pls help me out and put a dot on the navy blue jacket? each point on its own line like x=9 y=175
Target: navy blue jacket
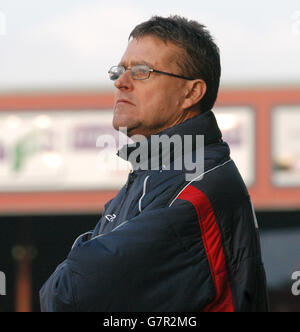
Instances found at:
x=165 y=243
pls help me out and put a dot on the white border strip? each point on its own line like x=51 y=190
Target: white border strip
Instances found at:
x=254 y=215
x=77 y=239
x=144 y=193
x=124 y=222
x=212 y=169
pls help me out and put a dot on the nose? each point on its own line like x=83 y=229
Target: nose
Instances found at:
x=124 y=81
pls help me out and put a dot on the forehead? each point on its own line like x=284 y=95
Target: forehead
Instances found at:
x=151 y=51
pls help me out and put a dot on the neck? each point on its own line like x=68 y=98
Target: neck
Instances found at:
x=184 y=115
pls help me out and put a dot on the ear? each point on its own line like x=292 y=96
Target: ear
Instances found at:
x=195 y=91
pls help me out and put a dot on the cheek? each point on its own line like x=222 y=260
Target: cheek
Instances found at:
x=152 y=110
x=154 y=101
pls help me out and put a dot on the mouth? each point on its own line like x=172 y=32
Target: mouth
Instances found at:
x=125 y=101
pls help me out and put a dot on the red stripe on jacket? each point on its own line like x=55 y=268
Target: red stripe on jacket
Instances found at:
x=212 y=240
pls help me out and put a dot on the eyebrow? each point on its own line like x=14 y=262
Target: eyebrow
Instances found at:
x=134 y=63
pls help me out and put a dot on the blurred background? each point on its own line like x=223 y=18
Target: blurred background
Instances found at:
x=56 y=99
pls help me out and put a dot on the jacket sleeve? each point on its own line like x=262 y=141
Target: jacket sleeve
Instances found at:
x=57 y=292
x=153 y=262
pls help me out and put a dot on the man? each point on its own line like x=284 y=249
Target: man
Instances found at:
x=167 y=242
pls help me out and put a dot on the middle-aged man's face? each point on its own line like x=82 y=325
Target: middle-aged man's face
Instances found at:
x=146 y=107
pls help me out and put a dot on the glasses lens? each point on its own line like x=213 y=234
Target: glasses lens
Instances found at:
x=140 y=72
x=115 y=72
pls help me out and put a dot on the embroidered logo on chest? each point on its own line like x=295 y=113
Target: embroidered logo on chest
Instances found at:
x=110 y=217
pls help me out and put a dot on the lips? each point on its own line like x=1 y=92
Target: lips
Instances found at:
x=123 y=100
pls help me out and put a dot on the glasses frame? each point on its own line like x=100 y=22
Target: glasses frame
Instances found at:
x=150 y=70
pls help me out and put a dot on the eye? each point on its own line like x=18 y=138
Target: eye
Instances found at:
x=143 y=68
x=113 y=75
x=115 y=72
x=140 y=71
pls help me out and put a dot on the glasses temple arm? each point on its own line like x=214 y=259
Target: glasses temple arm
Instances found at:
x=174 y=75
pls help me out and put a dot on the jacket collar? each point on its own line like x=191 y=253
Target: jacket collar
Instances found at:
x=203 y=124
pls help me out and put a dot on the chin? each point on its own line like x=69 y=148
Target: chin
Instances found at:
x=121 y=125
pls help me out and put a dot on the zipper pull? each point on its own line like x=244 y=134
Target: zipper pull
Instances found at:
x=129 y=179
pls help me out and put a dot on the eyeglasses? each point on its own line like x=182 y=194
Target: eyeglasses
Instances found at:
x=139 y=72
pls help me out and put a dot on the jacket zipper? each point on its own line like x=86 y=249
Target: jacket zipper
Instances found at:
x=130 y=179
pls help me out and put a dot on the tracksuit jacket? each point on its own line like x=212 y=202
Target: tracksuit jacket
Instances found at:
x=167 y=243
